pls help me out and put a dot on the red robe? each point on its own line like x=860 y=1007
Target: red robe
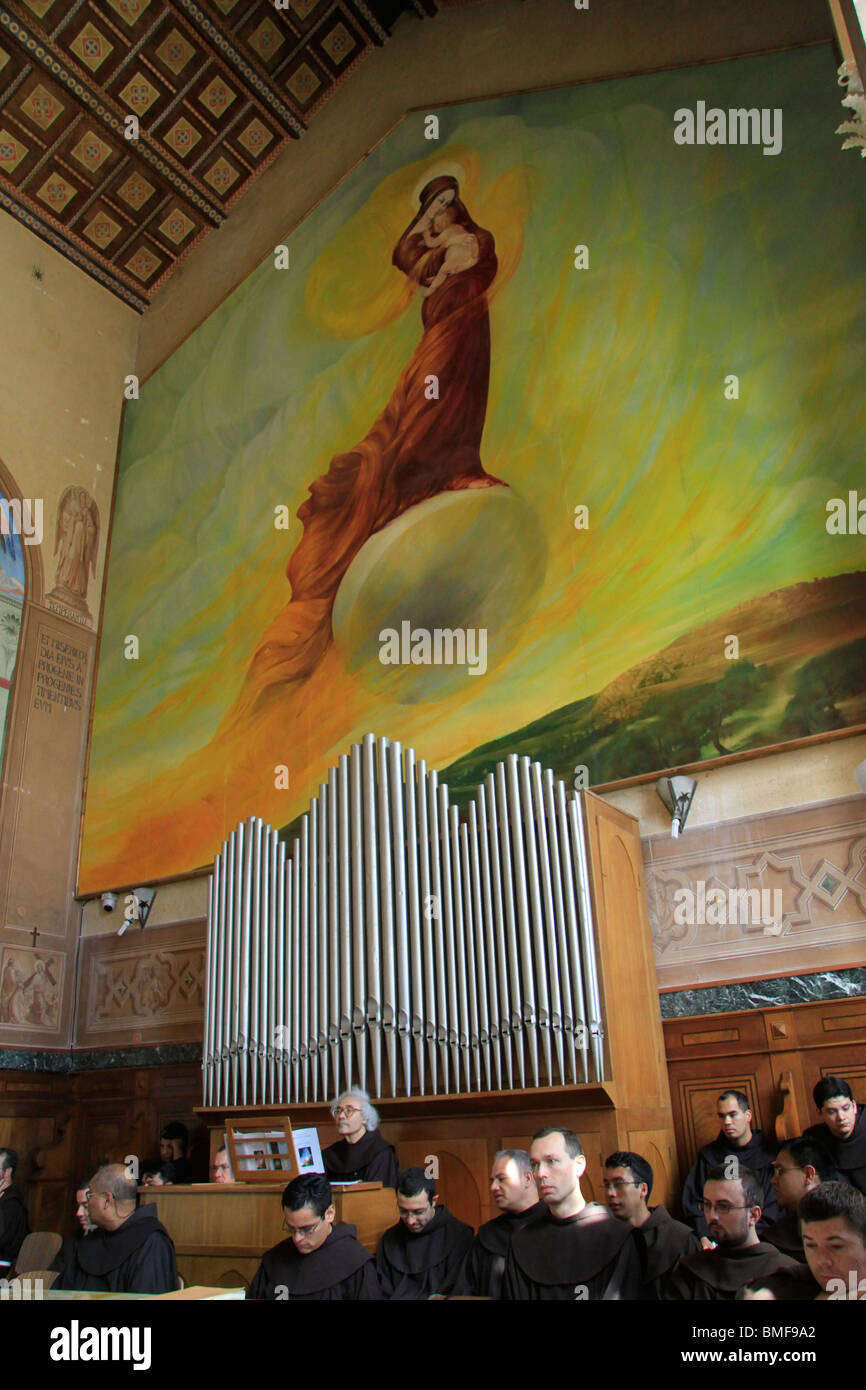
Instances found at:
x=416 y=449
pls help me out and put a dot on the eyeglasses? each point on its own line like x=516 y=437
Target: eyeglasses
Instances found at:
x=777 y=1170
x=302 y=1230
x=721 y=1207
x=346 y=1111
x=617 y=1184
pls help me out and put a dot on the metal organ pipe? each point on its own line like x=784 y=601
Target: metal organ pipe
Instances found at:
x=401 y=945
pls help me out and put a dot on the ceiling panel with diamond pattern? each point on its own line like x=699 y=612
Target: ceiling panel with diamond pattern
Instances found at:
x=218 y=89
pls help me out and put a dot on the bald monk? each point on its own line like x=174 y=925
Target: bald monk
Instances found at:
x=320 y=1260
x=576 y=1250
x=733 y=1210
x=129 y=1252
x=513 y=1189
x=421 y=1255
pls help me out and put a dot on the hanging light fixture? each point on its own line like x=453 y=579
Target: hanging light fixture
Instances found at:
x=677 y=793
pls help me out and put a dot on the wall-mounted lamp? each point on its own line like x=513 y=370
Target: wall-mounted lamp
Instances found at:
x=677 y=793
x=860 y=775
x=136 y=908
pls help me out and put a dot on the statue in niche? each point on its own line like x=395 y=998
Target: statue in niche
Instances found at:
x=422 y=444
x=76 y=544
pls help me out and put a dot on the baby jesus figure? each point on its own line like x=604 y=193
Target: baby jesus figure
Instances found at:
x=440 y=228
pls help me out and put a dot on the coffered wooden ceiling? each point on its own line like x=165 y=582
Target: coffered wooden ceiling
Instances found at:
x=218 y=88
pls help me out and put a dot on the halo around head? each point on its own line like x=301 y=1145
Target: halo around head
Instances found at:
x=444 y=169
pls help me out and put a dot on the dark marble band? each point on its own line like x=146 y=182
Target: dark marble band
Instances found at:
x=97 y=1059
x=764 y=994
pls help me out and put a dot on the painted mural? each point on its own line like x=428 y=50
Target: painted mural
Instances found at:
x=530 y=439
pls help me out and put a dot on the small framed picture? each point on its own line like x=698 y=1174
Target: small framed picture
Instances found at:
x=262 y=1150
x=308 y=1151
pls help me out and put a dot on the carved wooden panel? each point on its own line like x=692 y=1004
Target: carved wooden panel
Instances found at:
x=813 y=859
x=687 y=1038
x=655 y=1146
x=25 y=1134
x=712 y=1035
x=780 y=1056
x=698 y=1100
x=146 y=987
x=37 y=1120
x=31 y=988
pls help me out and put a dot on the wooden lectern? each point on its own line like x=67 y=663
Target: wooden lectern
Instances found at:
x=221 y=1230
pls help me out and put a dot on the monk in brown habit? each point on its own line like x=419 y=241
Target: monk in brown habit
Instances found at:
x=736 y=1139
x=320 y=1260
x=800 y=1166
x=732 y=1207
x=832 y=1219
x=842 y=1130
x=513 y=1189
x=13 y=1211
x=659 y=1239
x=421 y=1255
x=360 y=1154
x=128 y=1252
x=576 y=1251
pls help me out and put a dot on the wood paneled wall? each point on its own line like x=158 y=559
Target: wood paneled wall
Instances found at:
x=64 y=1127
x=774 y=1055
x=461 y=1134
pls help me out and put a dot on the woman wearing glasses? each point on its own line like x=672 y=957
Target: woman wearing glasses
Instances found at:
x=360 y=1154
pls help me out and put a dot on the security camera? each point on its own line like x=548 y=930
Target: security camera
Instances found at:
x=109 y=902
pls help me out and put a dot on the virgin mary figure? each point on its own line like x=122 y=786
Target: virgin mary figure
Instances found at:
x=426 y=441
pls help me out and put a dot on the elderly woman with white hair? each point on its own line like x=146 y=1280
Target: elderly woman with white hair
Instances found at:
x=360 y=1154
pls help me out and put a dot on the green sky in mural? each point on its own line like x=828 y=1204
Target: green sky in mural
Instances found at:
x=607 y=390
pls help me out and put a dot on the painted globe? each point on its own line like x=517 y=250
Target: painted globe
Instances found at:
x=434 y=601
